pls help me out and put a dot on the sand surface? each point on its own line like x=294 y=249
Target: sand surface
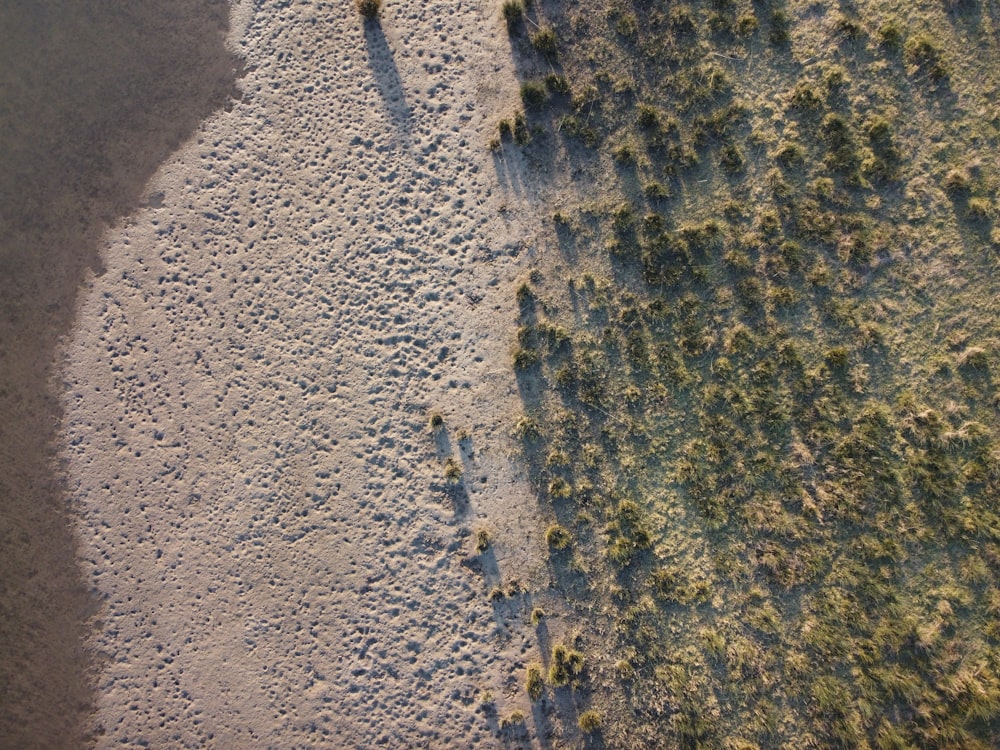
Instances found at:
x=274 y=554
x=94 y=95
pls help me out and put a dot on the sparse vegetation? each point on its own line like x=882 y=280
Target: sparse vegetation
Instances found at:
x=767 y=428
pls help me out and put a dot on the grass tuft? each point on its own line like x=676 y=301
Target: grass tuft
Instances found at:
x=368 y=9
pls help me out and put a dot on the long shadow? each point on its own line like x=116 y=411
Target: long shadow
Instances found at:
x=94 y=96
x=390 y=85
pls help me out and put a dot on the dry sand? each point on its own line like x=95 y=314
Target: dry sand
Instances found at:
x=261 y=506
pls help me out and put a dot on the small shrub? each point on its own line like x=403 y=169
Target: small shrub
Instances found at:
x=648 y=117
x=557 y=84
x=521 y=133
x=482 y=540
x=837 y=357
x=560 y=489
x=534 y=683
x=655 y=191
x=879 y=131
x=525 y=294
x=513 y=13
x=544 y=40
x=566 y=664
x=731 y=158
x=849 y=28
x=589 y=721
x=527 y=428
x=974 y=358
x=624 y=154
x=747 y=25
x=979 y=209
x=368 y=9
x=557 y=537
x=525 y=358
x=805 y=98
x=923 y=53
x=890 y=36
x=533 y=94
x=682 y=20
x=780 y=27
x=956 y=183
x=790 y=154
x=452 y=471
x=512 y=719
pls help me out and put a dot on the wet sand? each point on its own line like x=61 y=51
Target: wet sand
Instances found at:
x=93 y=97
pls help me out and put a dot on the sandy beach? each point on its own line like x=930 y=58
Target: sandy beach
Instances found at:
x=254 y=540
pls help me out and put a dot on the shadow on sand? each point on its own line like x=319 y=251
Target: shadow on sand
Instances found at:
x=390 y=85
x=94 y=95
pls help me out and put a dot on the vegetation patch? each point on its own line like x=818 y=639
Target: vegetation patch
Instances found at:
x=758 y=363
